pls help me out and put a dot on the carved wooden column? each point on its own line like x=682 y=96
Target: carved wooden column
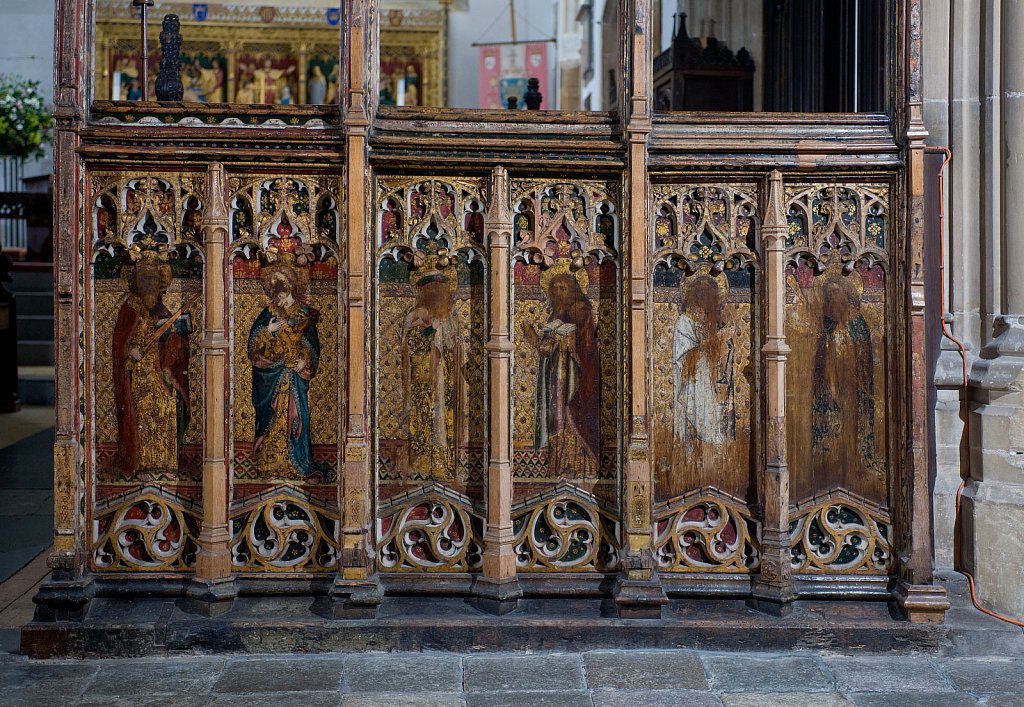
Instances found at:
x=232 y=81
x=357 y=592
x=773 y=592
x=916 y=596
x=66 y=593
x=497 y=590
x=638 y=594
x=213 y=583
x=303 y=76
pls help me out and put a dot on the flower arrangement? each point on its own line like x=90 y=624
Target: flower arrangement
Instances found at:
x=24 y=118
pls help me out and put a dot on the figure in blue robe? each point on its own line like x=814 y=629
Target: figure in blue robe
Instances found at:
x=284 y=349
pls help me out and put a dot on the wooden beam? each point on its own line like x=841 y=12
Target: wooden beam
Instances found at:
x=773 y=592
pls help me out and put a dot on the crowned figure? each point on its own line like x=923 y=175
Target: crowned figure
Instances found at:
x=150 y=355
x=284 y=349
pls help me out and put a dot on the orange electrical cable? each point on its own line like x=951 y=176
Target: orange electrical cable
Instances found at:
x=966 y=473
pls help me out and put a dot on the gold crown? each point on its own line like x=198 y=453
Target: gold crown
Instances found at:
x=149 y=250
x=438 y=265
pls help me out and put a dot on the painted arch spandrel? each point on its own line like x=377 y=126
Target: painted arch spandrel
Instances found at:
x=703 y=349
x=431 y=387
x=148 y=395
x=285 y=358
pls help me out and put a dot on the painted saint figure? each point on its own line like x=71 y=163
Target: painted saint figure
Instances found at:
x=268 y=82
x=703 y=410
x=568 y=417
x=843 y=403
x=432 y=381
x=317 y=87
x=150 y=353
x=284 y=348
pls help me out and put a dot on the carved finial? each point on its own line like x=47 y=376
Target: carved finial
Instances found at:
x=533 y=97
x=168 y=81
x=775 y=223
x=498 y=212
x=216 y=211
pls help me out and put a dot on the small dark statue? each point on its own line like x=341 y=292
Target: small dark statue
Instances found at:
x=533 y=97
x=168 y=81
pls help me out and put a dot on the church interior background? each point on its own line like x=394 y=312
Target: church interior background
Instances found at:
x=489 y=300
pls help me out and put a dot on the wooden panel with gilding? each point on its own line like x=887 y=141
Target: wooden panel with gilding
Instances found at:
x=285 y=326
x=704 y=329
x=147 y=397
x=431 y=384
x=567 y=330
x=837 y=328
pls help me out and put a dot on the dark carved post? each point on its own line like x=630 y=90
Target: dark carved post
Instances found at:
x=168 y=81
x=533 y=97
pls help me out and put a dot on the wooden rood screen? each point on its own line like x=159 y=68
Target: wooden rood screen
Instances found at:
x=491 y=353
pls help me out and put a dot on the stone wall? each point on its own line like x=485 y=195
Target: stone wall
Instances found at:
x=974 y=91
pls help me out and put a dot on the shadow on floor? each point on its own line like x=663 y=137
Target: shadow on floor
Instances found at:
x=26 y=515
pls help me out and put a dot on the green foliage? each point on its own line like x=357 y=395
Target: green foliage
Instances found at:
x=24 y=118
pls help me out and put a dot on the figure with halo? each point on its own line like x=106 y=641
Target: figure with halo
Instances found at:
x=284 y=349
x=568 y=413
x=433 y=355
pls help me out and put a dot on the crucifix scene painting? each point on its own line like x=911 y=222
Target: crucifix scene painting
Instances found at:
x=487 y=54
x=702 y=380
x=836 y=393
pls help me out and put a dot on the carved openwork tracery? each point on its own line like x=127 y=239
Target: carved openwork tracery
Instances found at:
x=147 y=530
x=284 y=530
x=706 y=531
x=838 y=224
x=433 y=529
x=565 y=529
x=712 y=224
x=842 y=534
x=157 y=210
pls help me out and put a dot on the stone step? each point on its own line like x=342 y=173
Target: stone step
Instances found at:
x=35 y=327
x=34 y=304
x=36 y=353
x=36 y=391
x=31 y=281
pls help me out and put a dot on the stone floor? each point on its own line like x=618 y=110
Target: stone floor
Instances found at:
x=595 y=678
x=26 y=485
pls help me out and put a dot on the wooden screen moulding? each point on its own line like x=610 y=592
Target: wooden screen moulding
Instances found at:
x=357 y=587
x=213 y=580
x=356 y=593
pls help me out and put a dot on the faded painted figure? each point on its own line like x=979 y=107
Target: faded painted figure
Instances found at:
x=284 y=348
x=150 y=357
x=568 y=418
x=704 y=412
x=432 y=380
x=843 y=403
